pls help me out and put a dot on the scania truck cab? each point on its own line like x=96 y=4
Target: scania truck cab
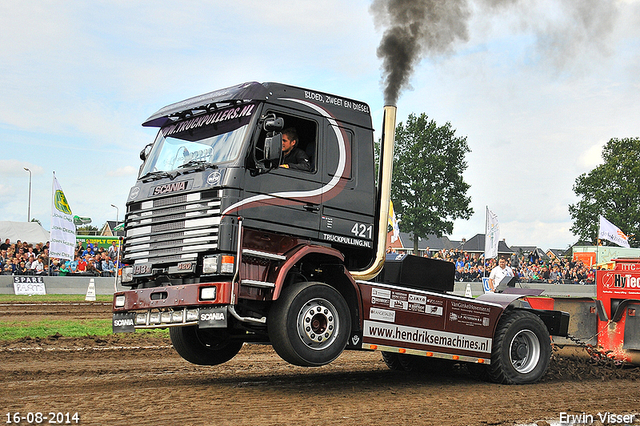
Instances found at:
x=211 y=179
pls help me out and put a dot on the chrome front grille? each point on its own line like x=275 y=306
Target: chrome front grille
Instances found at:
x=172 y=229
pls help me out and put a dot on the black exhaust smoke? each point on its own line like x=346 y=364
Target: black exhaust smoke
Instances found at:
x=415 y=29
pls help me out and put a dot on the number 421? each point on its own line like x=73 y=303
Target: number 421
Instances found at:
x=362 y=231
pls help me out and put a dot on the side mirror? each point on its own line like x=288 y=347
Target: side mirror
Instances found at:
x=145 y=152
x=273 y=124
x=273 y=147
x=266 y=155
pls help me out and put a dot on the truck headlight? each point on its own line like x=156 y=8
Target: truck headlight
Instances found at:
x=127 y=274
x=219 y=264
x=119 y=302
x=210 y=265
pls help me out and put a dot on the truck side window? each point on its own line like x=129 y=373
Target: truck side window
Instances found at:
x=350 y=147
x=307 y=133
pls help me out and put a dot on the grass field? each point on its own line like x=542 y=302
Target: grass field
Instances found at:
x=18 y=328
x=7 y=298
x=11 y=330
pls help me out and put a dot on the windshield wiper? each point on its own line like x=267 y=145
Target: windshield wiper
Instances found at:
x=158 y=175
x=198 y=165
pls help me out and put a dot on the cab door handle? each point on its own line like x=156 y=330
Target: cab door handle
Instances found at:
x=311 y=207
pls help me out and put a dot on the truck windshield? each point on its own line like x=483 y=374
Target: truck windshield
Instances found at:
x=210 y=139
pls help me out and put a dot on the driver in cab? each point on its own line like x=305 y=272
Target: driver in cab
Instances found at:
x=293 y=157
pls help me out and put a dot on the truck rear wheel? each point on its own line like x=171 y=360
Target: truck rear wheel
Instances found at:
x=309 y=325
x=521 y=349
x=204 y=346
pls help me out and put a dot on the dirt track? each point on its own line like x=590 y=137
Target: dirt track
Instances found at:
x=134 y=380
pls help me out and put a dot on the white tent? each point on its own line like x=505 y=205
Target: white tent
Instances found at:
x=30 y=232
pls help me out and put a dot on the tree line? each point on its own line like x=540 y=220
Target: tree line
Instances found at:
x=429 y=191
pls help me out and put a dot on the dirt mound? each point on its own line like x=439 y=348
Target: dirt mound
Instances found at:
x=583 y=368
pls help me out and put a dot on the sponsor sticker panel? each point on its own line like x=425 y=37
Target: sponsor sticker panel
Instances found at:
x=403 y=335
x=468 y=314
x=409 y=302
x=382 y=314
x=429 y=311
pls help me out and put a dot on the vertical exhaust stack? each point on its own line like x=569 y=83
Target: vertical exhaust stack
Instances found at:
x=384 y=193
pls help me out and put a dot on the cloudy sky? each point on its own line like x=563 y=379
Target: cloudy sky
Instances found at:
x=537 y=87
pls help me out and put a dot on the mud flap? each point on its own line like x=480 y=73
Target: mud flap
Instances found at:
x=123 y=322
x=214 y=317
x=557 y=322
x=355 y=341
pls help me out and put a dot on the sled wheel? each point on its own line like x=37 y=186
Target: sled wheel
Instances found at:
x=309 y=324
x=521 y=349
x=478 y=372
x=392 y=360
x=204 y=346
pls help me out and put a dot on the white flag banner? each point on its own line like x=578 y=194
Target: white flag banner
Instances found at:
x=608 y=231
x=63 y=230
x=393 y=222
x=492 y=236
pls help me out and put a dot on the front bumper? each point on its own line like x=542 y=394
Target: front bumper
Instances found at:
x=207 y=317
x=172 y=306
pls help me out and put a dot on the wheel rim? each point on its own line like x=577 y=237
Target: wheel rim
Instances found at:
x=524 y=351
x=318 y=324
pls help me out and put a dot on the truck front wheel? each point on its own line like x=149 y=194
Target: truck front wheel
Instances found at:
x=309 y=324
x=204 y=346
x=521 y=349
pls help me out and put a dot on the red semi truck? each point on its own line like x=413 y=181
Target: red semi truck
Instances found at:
x=225 y=247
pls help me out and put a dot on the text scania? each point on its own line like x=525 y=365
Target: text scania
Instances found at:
x=427 y=337
x=170 y=187
x=213 y=316
x=122 y=322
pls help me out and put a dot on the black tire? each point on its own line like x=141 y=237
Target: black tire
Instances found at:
x=521 y=349
x=204 y=346
x=309 y=324
x=478 y=371
x=392 y=360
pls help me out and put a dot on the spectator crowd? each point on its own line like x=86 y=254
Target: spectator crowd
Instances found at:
x=28 y=259
x=22 y=258
x=530 y=268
